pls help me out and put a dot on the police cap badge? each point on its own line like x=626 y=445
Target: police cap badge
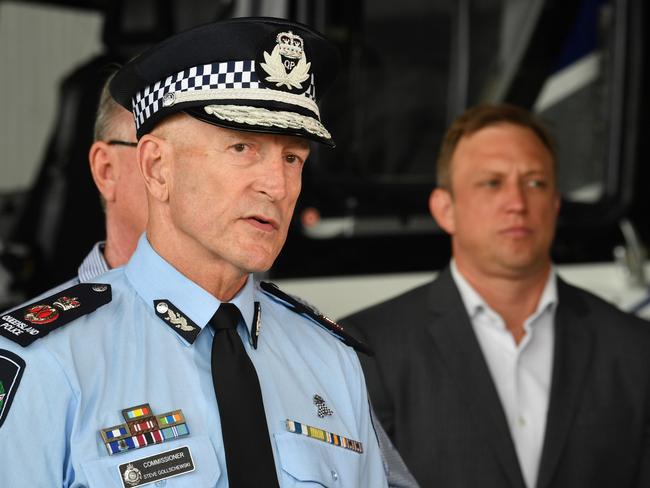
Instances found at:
x=252 y=74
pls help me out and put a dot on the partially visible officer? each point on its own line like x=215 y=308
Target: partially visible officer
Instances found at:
x=179 y=365
x=114 y=168
x=498 y=373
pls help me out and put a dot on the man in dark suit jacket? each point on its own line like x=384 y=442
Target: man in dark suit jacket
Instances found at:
x=498 y=373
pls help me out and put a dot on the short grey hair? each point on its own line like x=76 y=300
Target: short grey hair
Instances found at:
x=107 y=111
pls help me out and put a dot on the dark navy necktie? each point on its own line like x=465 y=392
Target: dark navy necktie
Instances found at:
x=249 y=456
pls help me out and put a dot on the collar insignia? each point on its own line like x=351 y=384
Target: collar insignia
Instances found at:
x=257 y=319
x=143 y=428
x=175 y=319
x=287 y=64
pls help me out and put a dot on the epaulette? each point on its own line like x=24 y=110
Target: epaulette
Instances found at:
x=30 y=322
x=302 y=309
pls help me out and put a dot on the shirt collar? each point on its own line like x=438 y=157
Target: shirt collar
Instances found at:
x=94 y=264
x=171 y=285
x=474 y=303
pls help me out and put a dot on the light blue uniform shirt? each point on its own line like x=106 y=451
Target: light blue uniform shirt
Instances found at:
x=80 y=377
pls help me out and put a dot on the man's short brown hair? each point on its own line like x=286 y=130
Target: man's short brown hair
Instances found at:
x=480 y=117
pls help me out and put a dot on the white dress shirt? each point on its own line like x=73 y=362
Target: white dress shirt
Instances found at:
x=521 y=372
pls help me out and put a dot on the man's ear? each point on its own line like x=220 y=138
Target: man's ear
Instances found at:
x=154 y=157
x=104 y=172
x=441 y=206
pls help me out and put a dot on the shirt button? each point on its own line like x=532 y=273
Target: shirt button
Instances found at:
x=521 y=421
x=335 y=475
x=161 y=483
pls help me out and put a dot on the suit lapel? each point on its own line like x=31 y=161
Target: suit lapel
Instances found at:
x=457 y=344
x=572 y=354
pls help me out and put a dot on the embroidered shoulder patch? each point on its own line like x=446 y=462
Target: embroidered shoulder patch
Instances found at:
x=303 y=309
x=36 y=320
x=11 y=371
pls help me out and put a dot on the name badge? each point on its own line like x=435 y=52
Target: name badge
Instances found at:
x=155 y=468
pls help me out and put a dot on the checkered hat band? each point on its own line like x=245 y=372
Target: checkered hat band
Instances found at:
x=235 y=77
x=256 y=116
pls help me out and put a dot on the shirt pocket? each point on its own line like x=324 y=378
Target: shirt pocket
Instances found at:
x=104 y=472
x=310 y=462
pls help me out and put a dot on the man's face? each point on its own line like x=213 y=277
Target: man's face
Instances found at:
x=502 y=210
x=130 y=205
x=233 y=193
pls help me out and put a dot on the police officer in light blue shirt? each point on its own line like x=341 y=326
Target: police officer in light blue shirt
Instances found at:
x=120 y=383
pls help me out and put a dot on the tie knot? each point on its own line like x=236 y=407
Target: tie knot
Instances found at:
x=227 y=316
